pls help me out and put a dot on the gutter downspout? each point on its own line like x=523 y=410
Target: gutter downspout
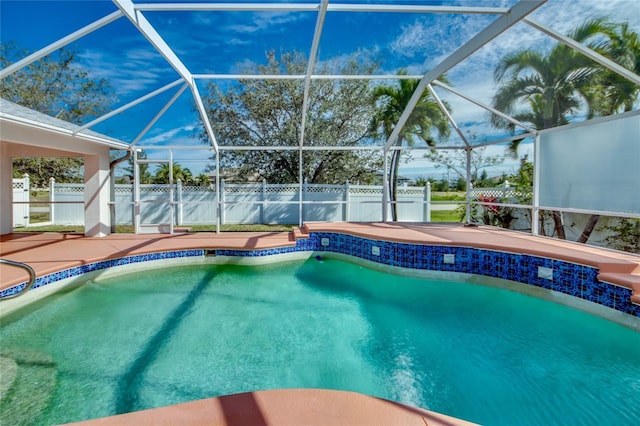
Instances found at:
x=112 y=190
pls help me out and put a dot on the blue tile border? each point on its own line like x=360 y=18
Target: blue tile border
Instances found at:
x=569 y=278
x=104 y=264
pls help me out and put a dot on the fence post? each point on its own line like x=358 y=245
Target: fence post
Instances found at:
x=505 y=190
x=52 y=207
x=427 y=202
x=262 y=201
x=179 y=196
x=222 y=198
x=347 y=201
x=27 y=210
x=304 y=198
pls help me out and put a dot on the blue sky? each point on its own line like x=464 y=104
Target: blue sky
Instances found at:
x=224 y=42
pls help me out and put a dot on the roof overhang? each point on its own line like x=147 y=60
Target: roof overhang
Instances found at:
x=28 y=127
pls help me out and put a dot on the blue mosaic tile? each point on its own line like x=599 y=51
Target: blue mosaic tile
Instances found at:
x=630 y=308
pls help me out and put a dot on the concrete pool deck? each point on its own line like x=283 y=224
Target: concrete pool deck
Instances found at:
x=52 y=252
x=309 y=407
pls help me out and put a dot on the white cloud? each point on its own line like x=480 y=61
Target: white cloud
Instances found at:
x=263 y=21
x=235 y=41
x=335 y=63
x=169 y=137
x=413 y=38
x=130 y=71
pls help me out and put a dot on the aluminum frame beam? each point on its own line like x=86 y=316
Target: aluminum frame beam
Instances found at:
x=484 y=106
x=317 y=33
x=387 y=8
x=129 y=105
x=159 y=114
x=322 y=13
x=507 y=139
x=205 y=118
x=149 y=32
x=303 y=76
x=305 y=7
x=227 y=7
x=491 y=31
x=448 y=114
x=60 y=43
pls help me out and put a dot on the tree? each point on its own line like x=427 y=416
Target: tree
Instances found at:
x=268 y=113
x=391 y=101
x=183 y=174
x=553 y=86
x=40 y=170
x=420 y=181
x=456 y=161
x=57 y=86
x=611 y=93
x=203 y=179
x=626 y=235
x=144 y=174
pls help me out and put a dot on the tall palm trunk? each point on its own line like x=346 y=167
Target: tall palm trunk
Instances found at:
x=559 y=226
x=588 y=228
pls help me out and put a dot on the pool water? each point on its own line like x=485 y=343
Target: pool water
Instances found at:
x=177 y=334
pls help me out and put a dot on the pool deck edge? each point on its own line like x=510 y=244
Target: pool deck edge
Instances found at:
x=309 y=407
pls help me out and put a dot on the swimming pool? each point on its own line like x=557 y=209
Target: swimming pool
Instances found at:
x=480 y=353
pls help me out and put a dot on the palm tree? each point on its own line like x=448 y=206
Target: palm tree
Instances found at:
x=557 y=84
x=391 y=101
x=203 y=179
x=184 y=174
x=613 y=93
x=143 y=169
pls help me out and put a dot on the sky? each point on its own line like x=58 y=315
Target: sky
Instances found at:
x=225 y=42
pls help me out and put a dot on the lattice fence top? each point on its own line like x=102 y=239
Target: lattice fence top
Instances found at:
x=242 y=189
x=326 y=189
x=365 y=189
x=271 y=189
x=198 y=189
x=69 y=187
x=286 y=188
x=156 y=188
x=499 y=193
x=410 y=190
x=128 y=189
x=18 y=184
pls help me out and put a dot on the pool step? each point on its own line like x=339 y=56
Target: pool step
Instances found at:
x=28 y=380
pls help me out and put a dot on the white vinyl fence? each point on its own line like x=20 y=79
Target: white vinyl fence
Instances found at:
x=20 y=196
x=239 y=204
x=268 y=204
x=254 y=203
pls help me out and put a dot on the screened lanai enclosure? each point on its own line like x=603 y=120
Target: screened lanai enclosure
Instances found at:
x=189 y=114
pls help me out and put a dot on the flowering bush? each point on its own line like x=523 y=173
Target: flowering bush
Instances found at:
x=495 y=215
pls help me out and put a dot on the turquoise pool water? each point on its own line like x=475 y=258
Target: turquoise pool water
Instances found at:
x=171 y=335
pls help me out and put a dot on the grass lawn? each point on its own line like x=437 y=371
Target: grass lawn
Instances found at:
x=448 y=196
x=445 y=216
